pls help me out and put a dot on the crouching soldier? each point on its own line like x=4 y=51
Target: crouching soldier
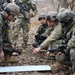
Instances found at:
x=5 y=45
x=67 y=19
x=52 y=37
x=41 y=29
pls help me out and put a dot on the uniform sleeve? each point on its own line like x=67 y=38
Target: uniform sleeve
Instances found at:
x=48 y=31
x=38 y=30
x=34 y=9
x=71 y=42
x=1 y=38
x=56 y=34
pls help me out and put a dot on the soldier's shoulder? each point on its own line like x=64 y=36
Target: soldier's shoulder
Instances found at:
x=58 y=26
x=40 y=26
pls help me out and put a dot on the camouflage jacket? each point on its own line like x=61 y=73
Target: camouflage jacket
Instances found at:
x=69 y=38
x=39 y=36
x=4 y=31
x=25 y=9
x=55 y=35
x=42 y=29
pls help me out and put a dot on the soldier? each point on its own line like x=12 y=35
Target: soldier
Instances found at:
x=39 y=38
x=67 y=19
x=51 y=21
x=5 y=45
x=55 y=35
x=23 y=20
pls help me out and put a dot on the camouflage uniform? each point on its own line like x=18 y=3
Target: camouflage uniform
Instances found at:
x=40 y=33
x=68 y=18
x=51 y=21
x=5 y=44
x=41 y=29
x=3 y=23
x=55 y=35
x=52 y=32
x=20 y=22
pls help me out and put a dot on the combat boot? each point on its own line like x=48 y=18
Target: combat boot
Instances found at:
x=8 y=59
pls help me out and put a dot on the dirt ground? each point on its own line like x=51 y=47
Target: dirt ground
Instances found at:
x=27 y=58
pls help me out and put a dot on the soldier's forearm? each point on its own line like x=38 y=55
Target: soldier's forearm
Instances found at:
x=47 y=42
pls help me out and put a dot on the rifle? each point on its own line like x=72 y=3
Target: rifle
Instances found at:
x=40 y=38
x=43 y=36
x=60 y=48
x=23 y=7
x=63 y=45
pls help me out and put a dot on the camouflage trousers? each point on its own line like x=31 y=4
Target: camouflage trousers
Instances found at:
x=18 y=24
x=64 y=59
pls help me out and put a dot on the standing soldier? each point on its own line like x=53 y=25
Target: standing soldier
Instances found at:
x=7 y=15
x=23 y=19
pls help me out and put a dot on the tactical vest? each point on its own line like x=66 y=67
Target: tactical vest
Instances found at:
x=67 y=34
x=24 y=5
x=5 y=30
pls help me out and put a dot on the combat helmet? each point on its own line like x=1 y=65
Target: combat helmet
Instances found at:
x=65 y=15
x=12 y=8
x=42 y=16
x=51 y=16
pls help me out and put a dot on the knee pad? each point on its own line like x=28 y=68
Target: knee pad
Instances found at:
x=62 y=58
x=72 y=56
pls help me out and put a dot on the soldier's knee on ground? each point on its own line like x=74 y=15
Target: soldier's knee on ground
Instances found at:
x=72 y=56
x=62 y=58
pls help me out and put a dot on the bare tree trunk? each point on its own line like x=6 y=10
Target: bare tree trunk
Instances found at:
x=64 y=4
x=72 y=5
